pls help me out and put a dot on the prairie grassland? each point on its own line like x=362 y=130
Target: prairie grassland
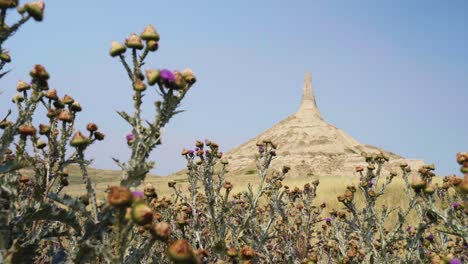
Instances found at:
x=328 y=189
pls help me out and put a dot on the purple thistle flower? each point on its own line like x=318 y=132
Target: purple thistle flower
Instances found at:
x=456 y=261
x=190 y=152
x=138 y=194
x=455 y=205
x=430 y=237
x=408 y=229
x=371 y=183
x=167 y=75
x=287 y=238
x=328 y=220
x=197 y=149
x=130 y=137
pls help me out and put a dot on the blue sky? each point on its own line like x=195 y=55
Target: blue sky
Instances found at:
x=392 y=74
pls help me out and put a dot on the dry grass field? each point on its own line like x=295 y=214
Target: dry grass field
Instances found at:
x=328 y=190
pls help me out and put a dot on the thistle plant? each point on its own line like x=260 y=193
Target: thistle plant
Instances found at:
x=33 y=10
x=31 y=181
x=171 y=86
x=363 y=235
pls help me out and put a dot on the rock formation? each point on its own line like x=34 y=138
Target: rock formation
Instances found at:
x=311 y=146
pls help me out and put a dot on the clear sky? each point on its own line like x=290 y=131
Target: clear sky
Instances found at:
x=392 y=74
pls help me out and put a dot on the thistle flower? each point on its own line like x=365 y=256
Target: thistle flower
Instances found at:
x=455 y=205
x=430 y=237
x=68 y=99
x=91 y=127
x=167 y=76
x=455 y=261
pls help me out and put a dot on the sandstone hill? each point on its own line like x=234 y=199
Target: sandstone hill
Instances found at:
x=310 y=145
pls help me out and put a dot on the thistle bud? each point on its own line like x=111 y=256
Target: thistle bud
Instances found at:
x=141 y=213
x=134 y=42
x=99 y=136
x=181 y=252
x=161 y=231
x=8 y=3
x=79 y=140
x=231 y=252
x=462 y=157
x=188 y=76
x=179 y=82
x=286 y=169
x=429 y=188
x=152 y=45
x=68 y=99
x=59 y=104
x=39 y=72
x=64 y=182
x=117 y=49
x=5 y=56
x=65 y=116
x=24 y=179
x=149 y=190
x=35 y=10
x=22 y=86
x=76 y=107
x=27 y=130
x=17 y=98
x=91 y=127
x=247 y=253
x=150 y=33
x=5 y=123
x=464 y=185
x=41 y=144
x=417 y=183
x=51 y=113
x=51 y=94
x=21 y=10
x=120 y=196
x=139 y=86
x=153 y=77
